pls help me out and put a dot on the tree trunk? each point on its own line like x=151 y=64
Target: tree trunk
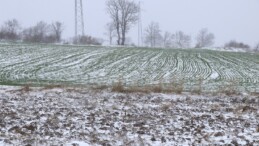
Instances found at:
x=118 y=33
x=123 y=35
x=110 y=39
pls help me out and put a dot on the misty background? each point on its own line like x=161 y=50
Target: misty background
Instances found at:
x=228 y=20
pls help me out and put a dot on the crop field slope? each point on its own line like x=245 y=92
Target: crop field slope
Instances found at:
x=86 y=65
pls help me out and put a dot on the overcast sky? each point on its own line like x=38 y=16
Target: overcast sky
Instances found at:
x=227 y=19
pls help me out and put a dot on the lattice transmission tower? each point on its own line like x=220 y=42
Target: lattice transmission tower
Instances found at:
x=79 y=19
x=140 y=37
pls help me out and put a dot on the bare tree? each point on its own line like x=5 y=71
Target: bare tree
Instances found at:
x=181 y=40
x=153 y=36
x=204 y=38
x=110 y=32
x=167 y=39
x=10 y=30
x=38 y=33
x=124 y=13
x=57 y=28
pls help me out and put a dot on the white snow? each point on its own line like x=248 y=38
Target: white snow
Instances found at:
x=87 y=117
x=226 y=49
x=214 y=75
x=79 y=143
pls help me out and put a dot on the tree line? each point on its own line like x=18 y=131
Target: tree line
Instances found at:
x=42 y=32
x=124 y=15
x=155 y=38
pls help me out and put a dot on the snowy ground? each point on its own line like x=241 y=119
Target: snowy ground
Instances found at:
x=85 y=117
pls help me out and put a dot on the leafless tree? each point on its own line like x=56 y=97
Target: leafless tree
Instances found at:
x=57 y=28
x=181 y=40
x=204 y=38
x=40 y=33
x=110 y=32
x=153 y=37
x=124 y=14
x=167 y=39
x=10 y=30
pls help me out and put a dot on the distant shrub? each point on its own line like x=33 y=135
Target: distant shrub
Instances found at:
x=256 y=48
x=157 y=88
x=177 y=86
x=230 y=88
x=234 y=44
x=198 y=88
x=26 y=88
x=118 y=87
x=10 y=30
x=87 y=40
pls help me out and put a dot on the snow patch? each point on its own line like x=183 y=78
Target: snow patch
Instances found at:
x=214 y=75
x=77 y=143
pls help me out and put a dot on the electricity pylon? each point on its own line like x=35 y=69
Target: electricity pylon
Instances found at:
x=79 y=19
x=140 y=38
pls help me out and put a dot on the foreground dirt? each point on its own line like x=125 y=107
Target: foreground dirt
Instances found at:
x=94 y=117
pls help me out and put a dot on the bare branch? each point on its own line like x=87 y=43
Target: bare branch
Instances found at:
x=153 y=36
x=181 y=40
x=124 y=13
x=204 y=38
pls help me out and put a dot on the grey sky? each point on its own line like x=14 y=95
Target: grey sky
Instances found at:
x=227 y=19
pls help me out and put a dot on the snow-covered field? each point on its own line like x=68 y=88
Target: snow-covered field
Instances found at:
x=57 y=64
x=79 y=115
x=70 y=116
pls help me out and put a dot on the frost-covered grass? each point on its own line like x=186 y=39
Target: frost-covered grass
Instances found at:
x=86 y=65
x=45 y=116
